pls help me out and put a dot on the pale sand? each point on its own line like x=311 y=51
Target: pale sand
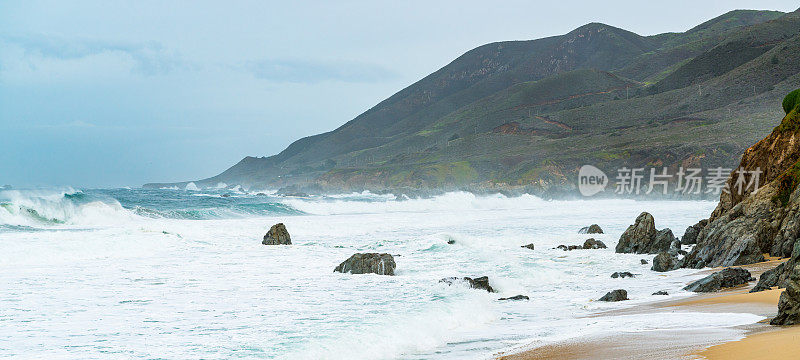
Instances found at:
x=763 y=341
x=783 y=343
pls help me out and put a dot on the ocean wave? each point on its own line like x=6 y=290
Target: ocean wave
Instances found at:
x=34 y=208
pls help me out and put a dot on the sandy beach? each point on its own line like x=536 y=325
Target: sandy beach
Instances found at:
x=758 y=341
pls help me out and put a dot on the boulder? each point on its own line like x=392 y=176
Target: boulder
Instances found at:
x=594 y=244
x=515 y=298
x=368 y=263
x=665 y=261
x=643 y=238
x=643 y=261
x=616 y=295
x=481 y=283
x=690 y=235
x=451 y=241
x=661 y=292
x=277 y=235
x=728 y=277
x=529 y=246
x=592 y=229
x=769 y=279
x=623 y=275
x=789 y=303
x=569 y=248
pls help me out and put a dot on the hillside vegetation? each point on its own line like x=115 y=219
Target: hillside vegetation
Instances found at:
x=530 y=113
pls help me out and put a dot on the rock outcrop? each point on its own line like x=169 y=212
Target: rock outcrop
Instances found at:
x=643 y=238
x=591 y=229
x=480 y=283
x=366 y=263
x=515 y=298
x=665 y=261
x=615 y=295
x=529 y=246
x=746 y=223
x=728 y=277
x=661 y=292
x=277 y=235
x=789 y=303
x=691 y=233
x=769 y=279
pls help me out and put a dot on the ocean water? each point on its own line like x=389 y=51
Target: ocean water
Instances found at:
x=182 y=274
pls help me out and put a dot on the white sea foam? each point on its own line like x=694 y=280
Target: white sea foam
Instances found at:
x=148 y=287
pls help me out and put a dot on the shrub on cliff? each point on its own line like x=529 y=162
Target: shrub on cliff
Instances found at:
x=791 y=101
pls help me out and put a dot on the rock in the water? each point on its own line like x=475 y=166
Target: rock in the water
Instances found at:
x=481 y=283
x=529 y=246
x=661 y=292
x=643 y=238
x=592 y=229
x=726 y=278
x=643 y=261
x=451 y=241
x=368 y=263
x=588 y=244
x=623 y=275
x=665 y=261
x=789 y=303
x=616 y=295
x=691 y=233
x=594 y=244
x=517 y=297
x=769 y=279
x=277 y=235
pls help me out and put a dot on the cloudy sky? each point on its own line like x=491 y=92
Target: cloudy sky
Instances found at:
x=112 y=93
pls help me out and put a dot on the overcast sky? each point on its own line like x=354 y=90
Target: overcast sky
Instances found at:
x=110 y=93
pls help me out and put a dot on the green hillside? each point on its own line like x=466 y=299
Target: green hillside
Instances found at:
x=530 y=113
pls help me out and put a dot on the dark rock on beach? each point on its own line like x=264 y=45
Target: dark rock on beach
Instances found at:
x=789 y=303
x=661 y=292
x=481 y=283
x=569 y=248
x=592 y=229
x=529 y=246
x=277 y=235
x=643 y=238
x=643 y=261
x=665 y=261
x=623 y=275
x=515 y=298
x=616 y=295
x=726 y=278
x=366 y=263
x=769 y=279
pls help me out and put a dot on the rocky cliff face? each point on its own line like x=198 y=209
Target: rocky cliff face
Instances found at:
x=747 y=224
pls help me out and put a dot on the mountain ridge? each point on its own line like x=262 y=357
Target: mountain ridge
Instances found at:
x=562 y=94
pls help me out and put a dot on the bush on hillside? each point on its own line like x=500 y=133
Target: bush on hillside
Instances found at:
x=791 y=101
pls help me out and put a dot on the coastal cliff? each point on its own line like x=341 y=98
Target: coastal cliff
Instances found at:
x=751 y=222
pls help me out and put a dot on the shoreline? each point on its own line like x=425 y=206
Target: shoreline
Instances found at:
x=753 y=341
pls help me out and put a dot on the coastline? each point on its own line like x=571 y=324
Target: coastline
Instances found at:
x=755 y=341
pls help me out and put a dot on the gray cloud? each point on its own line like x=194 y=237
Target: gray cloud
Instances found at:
x=150 y=57
x=308 y=71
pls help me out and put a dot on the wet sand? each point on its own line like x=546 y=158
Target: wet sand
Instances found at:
x=762 y=341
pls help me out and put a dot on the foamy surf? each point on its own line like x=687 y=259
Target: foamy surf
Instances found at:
x=165 y=273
